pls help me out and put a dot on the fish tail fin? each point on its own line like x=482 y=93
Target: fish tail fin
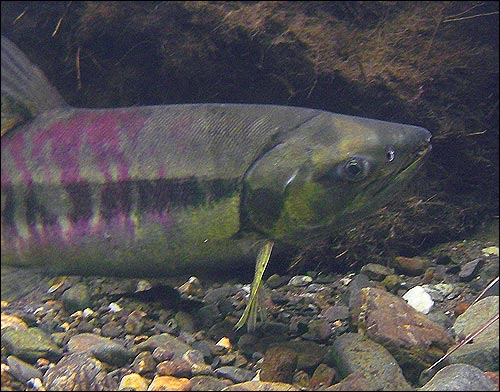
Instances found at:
x=26 y=92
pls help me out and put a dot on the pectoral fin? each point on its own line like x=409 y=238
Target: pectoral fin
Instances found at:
x=255 y=305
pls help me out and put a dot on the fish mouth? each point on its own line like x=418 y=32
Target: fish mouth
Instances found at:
x=415 y=163
x=404 y=174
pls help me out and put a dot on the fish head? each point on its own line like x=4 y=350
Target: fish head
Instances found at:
x=328 y=173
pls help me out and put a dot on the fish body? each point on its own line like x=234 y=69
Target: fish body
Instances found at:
x=160 y=190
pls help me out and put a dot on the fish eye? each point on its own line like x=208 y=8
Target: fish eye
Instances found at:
x=390 y=154
x=356 y=168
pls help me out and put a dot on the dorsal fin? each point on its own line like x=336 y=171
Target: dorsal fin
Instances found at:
x=26 y=92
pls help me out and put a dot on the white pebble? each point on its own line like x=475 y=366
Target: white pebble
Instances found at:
x=87 y=312
x=419 y=299
x=300 y=280
x=114 y=307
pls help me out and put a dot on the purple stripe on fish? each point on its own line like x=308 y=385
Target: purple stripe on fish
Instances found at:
x=17 y=148
x=98 y=133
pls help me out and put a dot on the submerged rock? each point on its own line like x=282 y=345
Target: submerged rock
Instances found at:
x=459 y=377
x=279 y=364
x=483 y=351
x=78 y=372
x=261 y=386
x=76 y=298
x=414 y=340
x=411 y=266
x=133 y=382
x=31 y=344
x=354 y=353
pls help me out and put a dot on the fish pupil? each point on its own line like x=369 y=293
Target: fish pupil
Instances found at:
x=354 y=169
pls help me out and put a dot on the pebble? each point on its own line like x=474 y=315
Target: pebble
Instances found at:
x=78 y=372
x=322 y=377
x=318 y=330
x=102 y=348
x=207 y=348
x=376 y=271
x=491 y=250
x=143 y=363
x=175 y=367
x=112 y=353
x=76 y=298
x=419 y=299
x=185 y=322
x=201 y=369
x=194 y=357
x=459 y=377
x=135 y=322
x=392 y=282
x=309 y=354
x=208 y=383
x=111 y=329
x=461 y=307
x=412 y=266
x=235 y=374
x=279 y=364
x=275 y=281
x=357 y=283
x=165 y=341
x=261 y=386
x=12 y=322
x=133 y=382
x=215 y=295
x=440 y=291
x=300 y=280
x=162 y=354
x=208 y=315
x=113 y=307
x=168 y=383
x=21 y=370
x=469 y=270
x=192 y=288
x=227 y=359
x=224 y=342
x=302 y=380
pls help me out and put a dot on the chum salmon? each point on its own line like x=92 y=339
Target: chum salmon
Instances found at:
x=191 y=188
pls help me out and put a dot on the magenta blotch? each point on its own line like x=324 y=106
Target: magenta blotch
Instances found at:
x=99 y=131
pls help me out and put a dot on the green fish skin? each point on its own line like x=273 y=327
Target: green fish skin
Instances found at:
x=197 y=188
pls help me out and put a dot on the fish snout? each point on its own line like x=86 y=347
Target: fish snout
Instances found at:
x=423 y=141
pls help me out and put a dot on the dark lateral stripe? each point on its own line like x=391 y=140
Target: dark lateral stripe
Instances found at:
x=166 y=194
x=80 y=196
x=34 y=208
x=9 y=208
x=117 y=198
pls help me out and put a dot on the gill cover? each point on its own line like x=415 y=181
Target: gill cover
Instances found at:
x=281 y=198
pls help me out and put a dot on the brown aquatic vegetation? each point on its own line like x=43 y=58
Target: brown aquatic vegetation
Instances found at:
x=430 y=63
